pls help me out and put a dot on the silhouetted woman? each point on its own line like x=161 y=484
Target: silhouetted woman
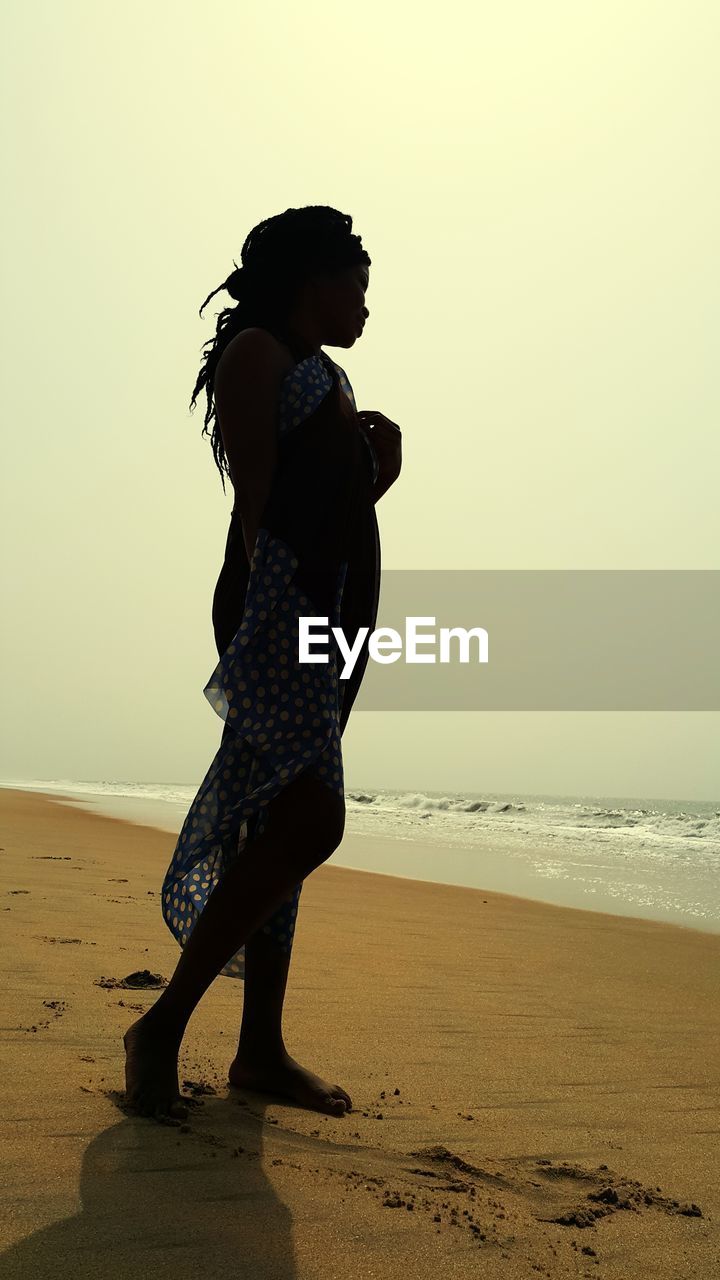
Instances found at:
x=307 y=469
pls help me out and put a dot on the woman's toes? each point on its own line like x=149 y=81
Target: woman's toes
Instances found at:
x=171 y=1112
x=166 y=1115
x=145 y=1105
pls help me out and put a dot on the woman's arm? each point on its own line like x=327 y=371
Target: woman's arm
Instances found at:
x=247 y=389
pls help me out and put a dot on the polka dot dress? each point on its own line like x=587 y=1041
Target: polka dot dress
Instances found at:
x=282 y=717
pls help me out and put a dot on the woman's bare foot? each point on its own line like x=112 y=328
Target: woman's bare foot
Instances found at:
x=151 y=1076
x=282 y=1074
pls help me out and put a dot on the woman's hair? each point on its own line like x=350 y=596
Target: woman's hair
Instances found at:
x=278 y=256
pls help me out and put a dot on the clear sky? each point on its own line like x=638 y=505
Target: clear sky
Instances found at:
x=537 y=186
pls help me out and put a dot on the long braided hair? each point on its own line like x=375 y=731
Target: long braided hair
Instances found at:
x=278 y=255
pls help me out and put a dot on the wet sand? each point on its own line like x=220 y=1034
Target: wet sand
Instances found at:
x=535 y=1088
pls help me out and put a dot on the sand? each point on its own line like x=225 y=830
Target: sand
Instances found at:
x=535 y=1088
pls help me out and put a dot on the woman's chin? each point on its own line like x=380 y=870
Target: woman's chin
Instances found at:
x=348 y=339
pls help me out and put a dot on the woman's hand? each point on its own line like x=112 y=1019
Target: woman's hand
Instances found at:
x=385 y=437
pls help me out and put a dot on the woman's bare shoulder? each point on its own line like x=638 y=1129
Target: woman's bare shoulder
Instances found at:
x=256 y=342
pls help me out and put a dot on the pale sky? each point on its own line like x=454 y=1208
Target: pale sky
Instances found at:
x=537 y=187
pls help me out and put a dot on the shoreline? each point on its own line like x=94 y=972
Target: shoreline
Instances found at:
x=379 y=849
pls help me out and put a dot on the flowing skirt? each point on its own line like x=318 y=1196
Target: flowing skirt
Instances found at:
x=317 y=554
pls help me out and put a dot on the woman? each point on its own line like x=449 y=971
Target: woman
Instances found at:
x=307 y=469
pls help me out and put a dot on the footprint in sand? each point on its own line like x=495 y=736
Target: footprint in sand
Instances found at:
x=58 y=1006
x=45 y=938
x=199 y=1087
x=608 y=1193
x=140 y=978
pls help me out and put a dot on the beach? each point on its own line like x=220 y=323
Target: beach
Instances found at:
x=536 y=1088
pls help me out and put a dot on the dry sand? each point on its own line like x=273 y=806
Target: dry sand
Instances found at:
x=535 y=1088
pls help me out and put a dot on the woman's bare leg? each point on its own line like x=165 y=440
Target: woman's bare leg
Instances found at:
x=304 y=825
x=264 y=986
x=262 y=1062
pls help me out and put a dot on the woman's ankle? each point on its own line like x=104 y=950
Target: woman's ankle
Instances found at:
x=165 y=1020
x=260 y=1044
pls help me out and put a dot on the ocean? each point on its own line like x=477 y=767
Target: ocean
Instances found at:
x=633 y=856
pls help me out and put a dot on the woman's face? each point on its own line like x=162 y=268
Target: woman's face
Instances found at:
x=341 y=309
